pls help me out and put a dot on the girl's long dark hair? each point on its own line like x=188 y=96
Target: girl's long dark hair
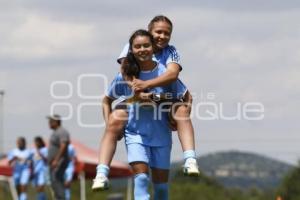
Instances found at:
x=130 y=66
x=39 y=142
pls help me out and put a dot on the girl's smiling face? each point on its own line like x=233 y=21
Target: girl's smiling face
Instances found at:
x=142 y=48
x=161 y=32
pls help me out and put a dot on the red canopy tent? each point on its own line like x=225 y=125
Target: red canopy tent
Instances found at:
x=5 y=169
x=88 y=160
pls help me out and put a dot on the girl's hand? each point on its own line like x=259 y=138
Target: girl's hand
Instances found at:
x=139 y=85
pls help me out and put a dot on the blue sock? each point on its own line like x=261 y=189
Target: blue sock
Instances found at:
x=189 y=154
x=102 y=169
x=161 y=191
x=41 y=196
x=67 y=193
x=23 y=196
x=141 y=182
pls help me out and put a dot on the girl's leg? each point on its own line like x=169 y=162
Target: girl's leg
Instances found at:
x=114 y=129
x=40 y=192
x=24 y=180
x=23 y=194
x=185 y=131
x=141 y=180
x=138 y=157
x=160 y=164
x=181 y=116
x=160 y=183
x=40 y=181
x=68 y=180
x=67 y=190
x=67 y=193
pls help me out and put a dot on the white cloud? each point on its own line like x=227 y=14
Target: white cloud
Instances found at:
x=40 y=37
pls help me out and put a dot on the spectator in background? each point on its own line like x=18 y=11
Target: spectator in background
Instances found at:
x=58 y=158
x=70 y=171
x=20 y=159
x=40 y=168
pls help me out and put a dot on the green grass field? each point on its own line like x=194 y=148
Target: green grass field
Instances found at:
x=75 y=188
x=181 y=188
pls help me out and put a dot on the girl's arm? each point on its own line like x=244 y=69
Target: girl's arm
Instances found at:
x=11 y=158
x=11 y=161
x=41 y=155
x=166 y=78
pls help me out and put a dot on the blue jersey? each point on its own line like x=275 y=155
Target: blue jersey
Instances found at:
x=24 y=158
x=167 y=55
x=71 y=156
x=147 y=125
x=71 y=165
x=39 y=162
x=71 y=152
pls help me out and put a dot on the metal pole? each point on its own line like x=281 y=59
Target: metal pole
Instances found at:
x=129 y=188
x=13 y=188
x=1 y=121
x=82 y=185
x=11 y=185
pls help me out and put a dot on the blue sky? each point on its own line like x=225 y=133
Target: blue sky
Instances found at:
x=240 y=51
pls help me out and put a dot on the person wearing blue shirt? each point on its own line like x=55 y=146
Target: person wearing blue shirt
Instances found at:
x=21 y=159
x=69 y=171
x=148 y=136
x=160 y=27
x=40 y=167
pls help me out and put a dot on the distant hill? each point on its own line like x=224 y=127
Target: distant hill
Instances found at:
x=242 y=170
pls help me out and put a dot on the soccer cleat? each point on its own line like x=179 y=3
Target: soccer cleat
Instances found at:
x=100 y=183
x=191 y=168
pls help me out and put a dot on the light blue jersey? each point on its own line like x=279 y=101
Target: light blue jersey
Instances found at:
x=146 y=124
x=71 y=151
x=71 y=165
x=40 y=167
x=167 y=55
x=24 y=157
x=21 y=169
x=39 y=162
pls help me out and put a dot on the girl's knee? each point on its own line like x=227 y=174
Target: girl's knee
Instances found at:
x=141 y=178
x=115 y=125
x=160 y=176
x=139 y=168
x=182 y=113
x=118 y=115
x=182 y=109
x=117 y=120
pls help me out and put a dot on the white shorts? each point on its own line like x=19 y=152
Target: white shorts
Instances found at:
x=39 y=178
x=22 y=177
